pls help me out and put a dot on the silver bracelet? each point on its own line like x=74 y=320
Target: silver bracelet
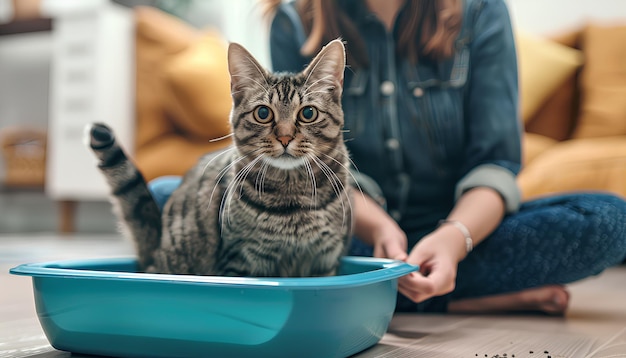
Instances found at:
x=469 y=244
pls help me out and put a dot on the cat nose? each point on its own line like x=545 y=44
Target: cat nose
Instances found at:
x=284 y=140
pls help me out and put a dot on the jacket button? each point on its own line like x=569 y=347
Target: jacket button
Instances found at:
x=418 y=92
x=393 y=143
x=387 y=88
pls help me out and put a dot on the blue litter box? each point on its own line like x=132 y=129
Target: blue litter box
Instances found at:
x=104 y=307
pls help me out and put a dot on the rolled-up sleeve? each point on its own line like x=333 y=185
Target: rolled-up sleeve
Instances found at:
x=493 y=155
x=496 y=177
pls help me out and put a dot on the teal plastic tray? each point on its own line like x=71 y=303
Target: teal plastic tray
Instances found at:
x=104 y=307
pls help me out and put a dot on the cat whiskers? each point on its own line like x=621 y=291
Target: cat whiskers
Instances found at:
x=259 y=182
x=238 y=180
x=221 y=138
x=356 y=182
x=352 y=164
x=311 y=175
x=336 y=184
x=243 y=174
x=206 y=166
x=221 y=175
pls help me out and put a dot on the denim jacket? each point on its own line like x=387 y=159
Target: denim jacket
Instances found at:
x=428 y=132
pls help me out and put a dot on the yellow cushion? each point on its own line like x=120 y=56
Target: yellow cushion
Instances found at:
x=199 y=88
x=162 y=43
x=157 y=37
x=535 y=144
x=544 y=65
x=556 y=118
x=603 y=83
x=575 y=165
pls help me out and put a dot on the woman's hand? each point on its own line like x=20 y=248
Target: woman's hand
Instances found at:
x=438 y=253
x=437 y=256
x=390 y=242
x=375 y=227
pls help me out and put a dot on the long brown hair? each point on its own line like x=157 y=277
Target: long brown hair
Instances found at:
x=426 y=28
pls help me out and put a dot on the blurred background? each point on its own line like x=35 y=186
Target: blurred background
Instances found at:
x=155 y=71
x=66 y=63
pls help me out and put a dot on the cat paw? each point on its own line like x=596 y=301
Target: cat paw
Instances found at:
x=98 y=135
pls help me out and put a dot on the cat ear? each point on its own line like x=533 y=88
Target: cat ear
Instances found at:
x=325 y=72
x=245 y=71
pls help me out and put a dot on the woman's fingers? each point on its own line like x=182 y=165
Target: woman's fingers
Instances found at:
x=391 y=249
x=418 y=287
x=396 y=252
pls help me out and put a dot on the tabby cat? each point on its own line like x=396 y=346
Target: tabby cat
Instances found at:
x=274 y=204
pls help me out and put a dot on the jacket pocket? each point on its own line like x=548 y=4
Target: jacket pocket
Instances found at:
x=434 y=94
x=449 y=74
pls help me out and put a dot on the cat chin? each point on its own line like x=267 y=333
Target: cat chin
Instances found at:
x=286 y=163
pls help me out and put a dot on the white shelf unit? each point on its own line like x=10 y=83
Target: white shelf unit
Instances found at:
x=92 y=80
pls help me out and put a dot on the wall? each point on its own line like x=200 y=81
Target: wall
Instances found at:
x=548 y=17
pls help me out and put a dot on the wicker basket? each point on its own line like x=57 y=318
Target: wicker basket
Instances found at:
x=24 y=153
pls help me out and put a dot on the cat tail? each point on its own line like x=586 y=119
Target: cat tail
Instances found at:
x=132 y=202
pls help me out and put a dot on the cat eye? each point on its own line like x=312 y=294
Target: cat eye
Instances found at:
x=307 y=114
x=263 y=114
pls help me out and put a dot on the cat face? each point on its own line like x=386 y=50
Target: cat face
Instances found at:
x=287 y=120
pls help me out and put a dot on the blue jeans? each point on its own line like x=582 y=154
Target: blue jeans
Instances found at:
x=161 y=188
x=554 y=240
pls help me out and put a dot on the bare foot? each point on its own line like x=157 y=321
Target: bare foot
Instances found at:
x=552 y=300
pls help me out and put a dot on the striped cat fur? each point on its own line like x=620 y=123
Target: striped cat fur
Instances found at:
x=277 y=203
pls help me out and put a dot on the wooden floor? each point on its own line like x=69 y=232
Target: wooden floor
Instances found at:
x=595 y=325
